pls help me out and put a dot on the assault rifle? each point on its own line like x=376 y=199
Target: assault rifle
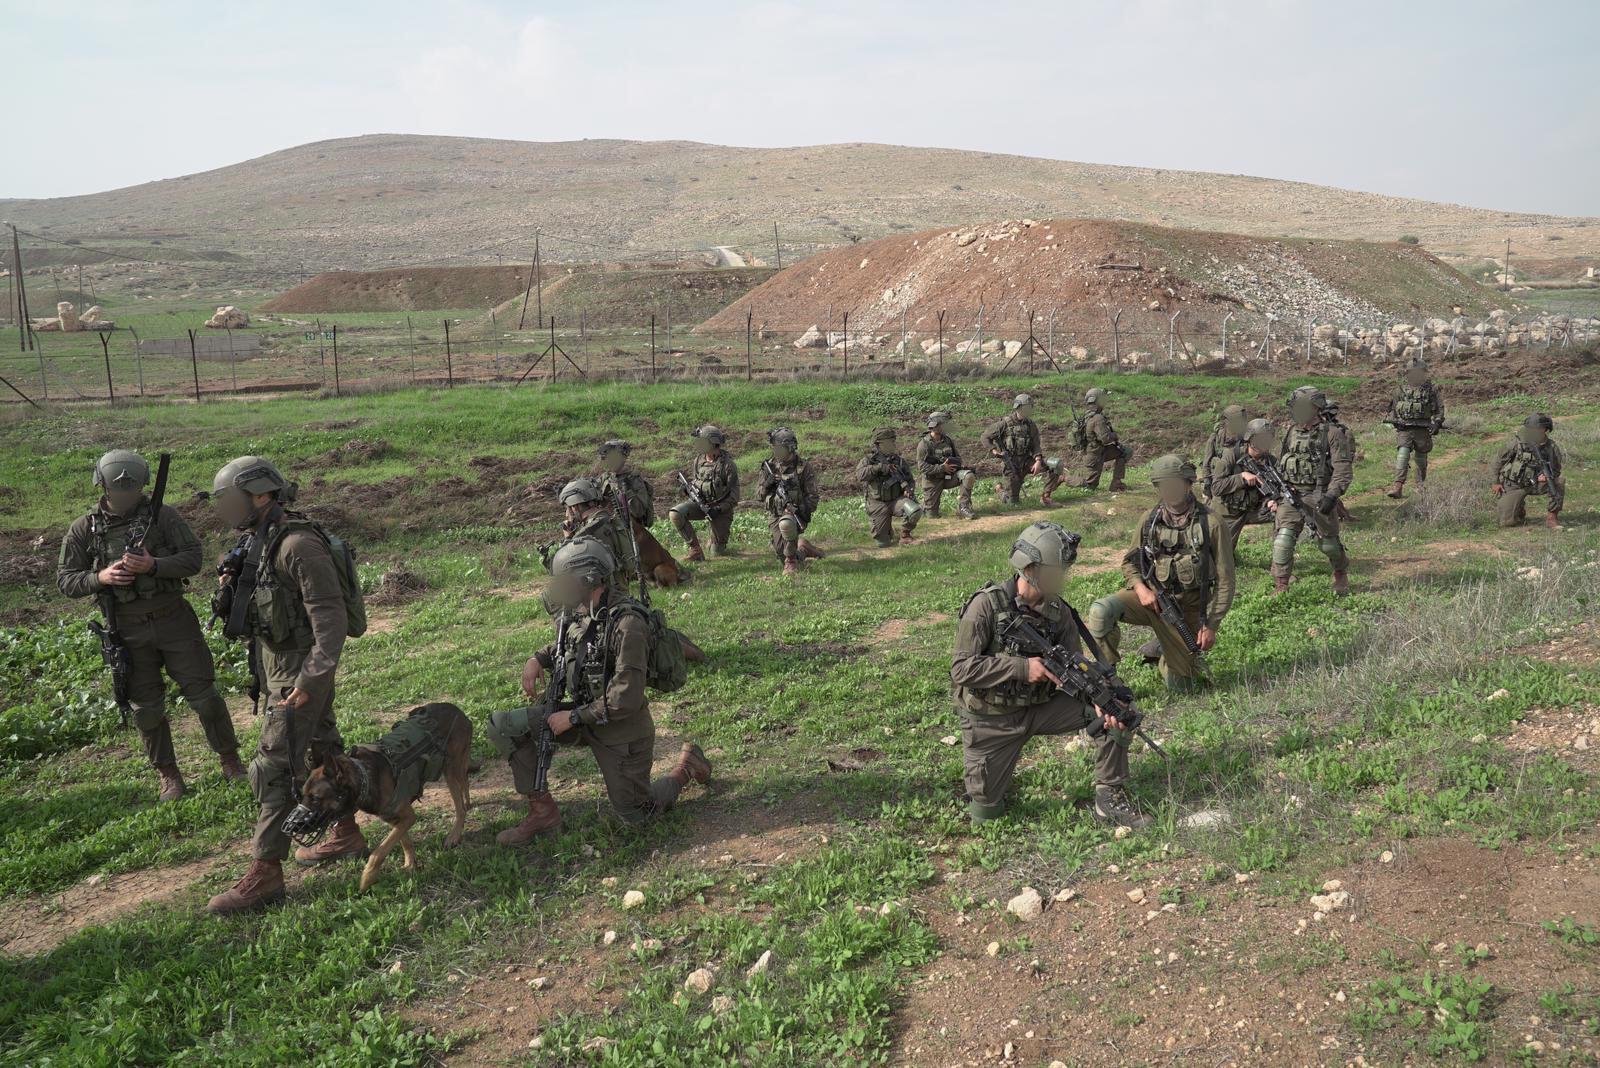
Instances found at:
x=1168 y=609
x=555 y=695
x=113 y=647
x=1091 y=681
x=1408 y=424
x=231 y=604
x=1275 y=487
x=694 y=495
x=633 y=539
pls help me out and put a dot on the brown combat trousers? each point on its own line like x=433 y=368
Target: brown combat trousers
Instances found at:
x=1512 y=506
x=1094 y=462
x=721 y=523
x=992 y=745
x=625 y=768
x=882 y=514
x=169 y=638
x=1179 y=667
x=1015 y=476
x=278 y=766
x=933 y=490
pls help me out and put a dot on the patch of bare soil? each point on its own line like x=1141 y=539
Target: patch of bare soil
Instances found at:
x=399 y=585
x=1251 y=978
x=33 y=925
x=27 y=557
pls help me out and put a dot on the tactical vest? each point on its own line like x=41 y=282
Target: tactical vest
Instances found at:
x=110 y=537
x=278 y=614
x=610 y=531
x=1525 y=465
x=1305 y=458
x=641 y=498
x=712 y=477
x=1018 y=437
x=1080 y=432
x=1182 y=554
x=1245 y=499
x=414 y=751
x=940 y=450
x=1097 y=440
x=888 y=487
x=1011 y=696
x=793 y=483
x=1414 y=404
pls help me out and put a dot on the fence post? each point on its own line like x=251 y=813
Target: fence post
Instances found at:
x=138 y=359
x=233 y=361
x=1225 y=319
x=335 y=359
x=555 y=364
x=1116 y=343
x=1031 y=342
x=194 y=365
x=749 y=369
x=322 y=351
x=449 y=362
x=846 y=349
x=105 y=350
x=411 y=343
x=652 y=348
x=1050 y=336
x=44 y=379
x=941 y=341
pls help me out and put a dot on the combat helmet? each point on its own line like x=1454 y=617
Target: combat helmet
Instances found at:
x=1171 y=466
x=122 y=468
x=251 y=474
x=1046 y=544
x=710 y=432
x=580 y=491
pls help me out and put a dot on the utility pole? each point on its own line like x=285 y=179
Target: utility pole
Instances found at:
x=777 y=249
x=24 y=328
x=533 y=276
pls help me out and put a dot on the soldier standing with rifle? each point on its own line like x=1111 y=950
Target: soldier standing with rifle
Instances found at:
x=889 y=490
x=1317 y=457
x=788 y=488
x=135 y=556
x=595 y=696
x=1245 y=482
x=939 y=464
x=292 y=599
x=1015 y=440
x=1417 y=414
x=1006 y=691
x=1180 y=579
x=711 y=492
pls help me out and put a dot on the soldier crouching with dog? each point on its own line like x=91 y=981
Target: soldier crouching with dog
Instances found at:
x=593 y=681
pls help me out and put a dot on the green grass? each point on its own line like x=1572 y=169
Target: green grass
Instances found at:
x=1332 y=724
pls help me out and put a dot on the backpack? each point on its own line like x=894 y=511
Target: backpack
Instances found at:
x=666 y=667
x=344 y=562
x=1080 y=433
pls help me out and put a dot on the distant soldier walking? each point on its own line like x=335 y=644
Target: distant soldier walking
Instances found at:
x=889 y=489
x=1417 y=414
x=939 y=465
x=1317 y=457
x=138 y=565
x=1016 y=441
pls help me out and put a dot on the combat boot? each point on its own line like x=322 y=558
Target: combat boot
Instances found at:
x=1341 y=584
x=344 y=840
x=1118 y=486
x=966 y=512
x=692 y=765
x=906 y=538
x=695 y=552
x=1397 y=491
x=810 y=551
x=172 y=786
x=261 y=886
x=1551 y=521
x=1046 y=500
x=232 y=769
x=1113 y=804
x=1280 y=584
x=544 y=816
x=1150 y=651
x=791 y=567
x=719 y=548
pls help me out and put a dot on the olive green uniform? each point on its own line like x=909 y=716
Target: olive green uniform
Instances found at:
x=717 y=480
x=1220 y=440
x=298 y=618
x=933 y=452
x=786 y=524
x=1419 y=411
x=1000 y=710
x=607 y=654
x=1235 y=502
x=641 y=495
x=889 y=494
x=1194 y=566
x=1020 y=446
x=604 y=526
x=1319 y=461
x=156 y=621
x=1100 y=446
x=1516 y=470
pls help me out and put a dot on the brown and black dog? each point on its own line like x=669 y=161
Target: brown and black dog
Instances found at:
x=435 y=738
x=654 y=560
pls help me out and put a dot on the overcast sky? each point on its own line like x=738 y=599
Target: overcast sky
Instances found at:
x=1493 y=104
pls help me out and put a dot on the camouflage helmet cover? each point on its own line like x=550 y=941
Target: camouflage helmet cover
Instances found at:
x=710 y=432
x=937 y=419
x=1315 y=395
x=1540 y=420
x=585 y=558
x=123 y=468
x=882 y=434
x=1021 y=400
x=1094 y=396
x=782 y=435
x=580 y=491
x=1256 y=427
x=614 y=443
x=1171 y=466
x=251 y=474
x=1044 y=543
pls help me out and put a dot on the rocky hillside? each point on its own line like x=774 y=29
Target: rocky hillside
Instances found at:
x=1086 y=270
x=388 y=200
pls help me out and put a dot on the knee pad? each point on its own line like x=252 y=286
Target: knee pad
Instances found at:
x=678 y=516
x=270 y=782
x=1283 y=547
x=1103 y=616
x=1402 y=455
x=149 y=717
x=1127 y=451
x=966 y=477
x=509 y=729
x=789 y=528
x=1332 y=548
x=1053 y=465
x=910 y=511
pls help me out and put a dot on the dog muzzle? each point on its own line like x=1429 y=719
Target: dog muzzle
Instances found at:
x=306 y=826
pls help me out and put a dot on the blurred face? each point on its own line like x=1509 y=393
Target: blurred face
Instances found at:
x=781 y=452
x=564 y=593
x=1173 y=492
x=1416 y=376
x=1304 y=410
x=234 y=507
x=889 y=447
x=1261 y=444
x=612 y=460
x=1533 y=435
x=944 y=428
x=1235 y=425
x=1024 y=411
x=123 y=497
x=1050 y=581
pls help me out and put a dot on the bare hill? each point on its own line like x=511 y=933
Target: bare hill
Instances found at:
x=387 y=200
x=402 y=289
x=1086 y=269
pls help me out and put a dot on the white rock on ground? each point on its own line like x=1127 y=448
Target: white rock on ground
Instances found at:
x=761 y=965
x=1027 y=905
x=699 y=981
x=632 y=899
